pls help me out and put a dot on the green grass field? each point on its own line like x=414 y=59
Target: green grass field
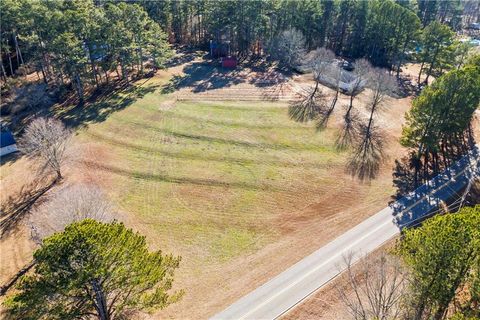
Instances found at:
x=211 y=180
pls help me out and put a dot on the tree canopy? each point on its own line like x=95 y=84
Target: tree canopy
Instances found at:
x=80 y=42
x=443 y=256
x=437 y=128
x=94 y=269
x=102 y=35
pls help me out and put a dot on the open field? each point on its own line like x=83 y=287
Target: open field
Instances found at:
x=237 y=189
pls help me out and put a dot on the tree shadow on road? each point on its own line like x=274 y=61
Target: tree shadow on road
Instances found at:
x=423 y=187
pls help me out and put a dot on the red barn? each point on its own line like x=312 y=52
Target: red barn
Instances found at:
x=229 y=62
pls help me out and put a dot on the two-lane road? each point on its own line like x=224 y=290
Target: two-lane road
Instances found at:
x=286 y=290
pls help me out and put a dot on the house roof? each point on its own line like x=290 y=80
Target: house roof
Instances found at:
x=6 y=139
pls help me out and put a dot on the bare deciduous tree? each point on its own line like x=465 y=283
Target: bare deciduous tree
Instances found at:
x=312 y=103
x=70 y=204
x=320 y=61
x=334 y=72
x=368 y=154
x=48 y=140
x=361 y=73
x=351 y=127
x=374 y=288
x=289 y=47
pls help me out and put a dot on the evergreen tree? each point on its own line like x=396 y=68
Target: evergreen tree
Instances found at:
x=439 y=121
x=443 y=255
x=94 y=269
x=436 y=41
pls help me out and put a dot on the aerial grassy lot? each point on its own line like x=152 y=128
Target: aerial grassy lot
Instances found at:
x=210 y=177
x=236 y=188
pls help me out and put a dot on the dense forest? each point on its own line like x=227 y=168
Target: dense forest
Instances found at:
x=79 y=41
x=85 y=40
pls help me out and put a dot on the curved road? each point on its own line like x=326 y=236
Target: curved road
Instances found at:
x=289 y=288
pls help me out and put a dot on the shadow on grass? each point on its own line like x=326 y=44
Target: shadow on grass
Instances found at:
x=15 y=208
x=9 y=158
x=202 y=156
x=103 y=102
x=182 y=180
x=238 y=143
x=204 y=76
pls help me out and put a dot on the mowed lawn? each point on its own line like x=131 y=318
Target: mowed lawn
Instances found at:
x=211 y=180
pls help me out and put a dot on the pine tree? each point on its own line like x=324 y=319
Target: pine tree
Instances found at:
x=94 y=269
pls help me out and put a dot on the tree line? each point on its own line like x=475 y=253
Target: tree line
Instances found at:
x=382 y=31
x=438 y=123
x=84 y=41
x=438 y=127
x=80 y=43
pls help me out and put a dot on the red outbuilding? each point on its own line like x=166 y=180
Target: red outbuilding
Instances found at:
x=229 y=62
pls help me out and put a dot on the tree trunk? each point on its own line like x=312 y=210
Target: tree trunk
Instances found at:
x=141 y=59
x=19 y=53
x=44 y=75
x=400 y=59
x=92 y=64
x=314 y=90
x=4 y=74
x=10 y=63
x=100 y=301
x=334 y=102
x=118 y=73
x=432 y=64
x=59 y=175
x=79 y=87
x=415 y=175
x=347 y=115
x=420 y=73
x=124 y=69
x=370 y=121
x=106 y=76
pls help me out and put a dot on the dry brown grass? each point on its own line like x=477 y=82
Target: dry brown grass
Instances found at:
x=301 y=220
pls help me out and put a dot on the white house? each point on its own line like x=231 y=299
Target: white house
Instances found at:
x=7 y=143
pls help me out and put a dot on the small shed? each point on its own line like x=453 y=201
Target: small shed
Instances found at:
x=7 y=143
x=229 y=62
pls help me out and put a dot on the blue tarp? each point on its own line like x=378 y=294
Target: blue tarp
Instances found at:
x=6 y=139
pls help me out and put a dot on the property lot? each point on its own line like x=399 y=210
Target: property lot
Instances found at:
x=237 y=189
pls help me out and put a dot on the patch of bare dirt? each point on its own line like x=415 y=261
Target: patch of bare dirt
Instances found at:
x=300 y=232
x=86 y=171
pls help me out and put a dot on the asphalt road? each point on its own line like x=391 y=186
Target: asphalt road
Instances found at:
x=289 y=288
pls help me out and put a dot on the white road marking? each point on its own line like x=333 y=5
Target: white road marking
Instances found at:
x=341 y=253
